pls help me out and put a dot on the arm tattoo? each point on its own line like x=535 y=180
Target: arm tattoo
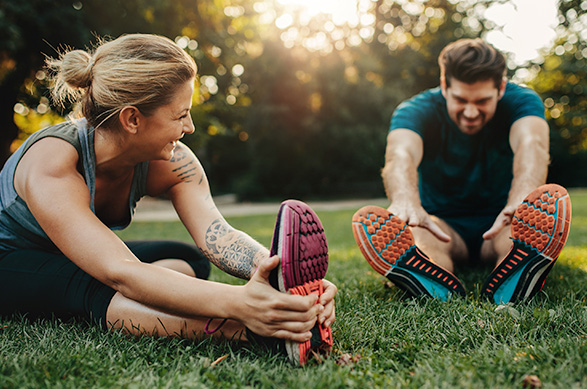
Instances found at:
x=179 y=154
x=230 y=250
x=188 y=168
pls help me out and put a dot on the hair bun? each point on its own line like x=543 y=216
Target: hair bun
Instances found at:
x=76 y=68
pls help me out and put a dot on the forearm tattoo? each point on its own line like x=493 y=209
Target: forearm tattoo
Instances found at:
x=186 y=169
x=230 y=250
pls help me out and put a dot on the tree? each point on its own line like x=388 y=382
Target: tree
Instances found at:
x=291 y=105
x=562 y=80
x=320 y=95
x=33 y=29
x=28 y=29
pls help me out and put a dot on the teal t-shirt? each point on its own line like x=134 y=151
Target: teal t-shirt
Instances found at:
x=465 y=174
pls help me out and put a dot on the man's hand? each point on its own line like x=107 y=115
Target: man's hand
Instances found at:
x=504 y=219
x=416 y=216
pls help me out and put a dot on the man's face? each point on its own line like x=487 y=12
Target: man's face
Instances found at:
x=471 y=106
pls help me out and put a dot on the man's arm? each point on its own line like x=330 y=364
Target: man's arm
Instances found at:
x=530 y=143
x=400 y=177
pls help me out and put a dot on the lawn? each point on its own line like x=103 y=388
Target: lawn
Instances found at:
x=381 y=338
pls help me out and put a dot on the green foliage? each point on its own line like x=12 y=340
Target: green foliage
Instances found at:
x=563 y=82
x=313 y=122
x=292 y=111
x=30 y=29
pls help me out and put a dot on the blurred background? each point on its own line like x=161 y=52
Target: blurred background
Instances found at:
x=294 y=97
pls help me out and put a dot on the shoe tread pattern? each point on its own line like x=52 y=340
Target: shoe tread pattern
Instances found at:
x=388 y=245
x=303 y=267
x=539 y=230
x=542 y=221
x=382 y=237
x=312 y=249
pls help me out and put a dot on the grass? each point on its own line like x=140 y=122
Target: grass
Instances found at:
x=392 y=341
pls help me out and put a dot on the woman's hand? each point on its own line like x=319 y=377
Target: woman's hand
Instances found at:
x=268 y=312
x=328 y=316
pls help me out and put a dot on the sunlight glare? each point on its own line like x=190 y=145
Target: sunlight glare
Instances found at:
x=528 y=26
x=341 y=11
x=323 y=25
x=524 y=27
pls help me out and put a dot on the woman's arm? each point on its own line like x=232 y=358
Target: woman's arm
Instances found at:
x=183 y=179
x=58 y=197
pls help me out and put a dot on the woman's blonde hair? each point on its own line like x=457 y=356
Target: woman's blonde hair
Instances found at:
x=140 y=70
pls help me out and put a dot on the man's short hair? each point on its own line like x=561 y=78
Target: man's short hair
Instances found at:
x=470 y=61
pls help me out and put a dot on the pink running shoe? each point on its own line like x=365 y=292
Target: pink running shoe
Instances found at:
x=299 y=241
x=540 y=228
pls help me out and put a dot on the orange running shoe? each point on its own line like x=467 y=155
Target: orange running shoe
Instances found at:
x=387 y=244
x=540 y=228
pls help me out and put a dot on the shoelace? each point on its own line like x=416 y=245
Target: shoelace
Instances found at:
x=210 y=332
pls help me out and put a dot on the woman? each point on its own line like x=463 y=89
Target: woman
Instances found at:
x=65 y=190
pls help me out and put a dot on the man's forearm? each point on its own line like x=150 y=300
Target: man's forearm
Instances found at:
x=530 y=171
x=400 y=178
x=530 y=165
x=400 y=173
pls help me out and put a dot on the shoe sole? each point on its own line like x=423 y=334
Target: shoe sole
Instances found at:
x=539 y=230
x=388 y=245
x=300 y=242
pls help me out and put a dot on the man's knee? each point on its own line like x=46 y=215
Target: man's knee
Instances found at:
x=494 y=250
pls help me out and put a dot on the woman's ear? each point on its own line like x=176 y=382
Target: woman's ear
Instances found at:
x=130 y=118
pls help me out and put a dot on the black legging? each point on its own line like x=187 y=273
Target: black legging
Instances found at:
x=40 y=283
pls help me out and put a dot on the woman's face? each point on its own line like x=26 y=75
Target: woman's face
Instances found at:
x=168 y=123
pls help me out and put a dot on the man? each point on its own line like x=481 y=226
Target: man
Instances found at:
x=460 y=163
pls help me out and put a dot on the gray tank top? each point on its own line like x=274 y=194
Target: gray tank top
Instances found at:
x=18 y=227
